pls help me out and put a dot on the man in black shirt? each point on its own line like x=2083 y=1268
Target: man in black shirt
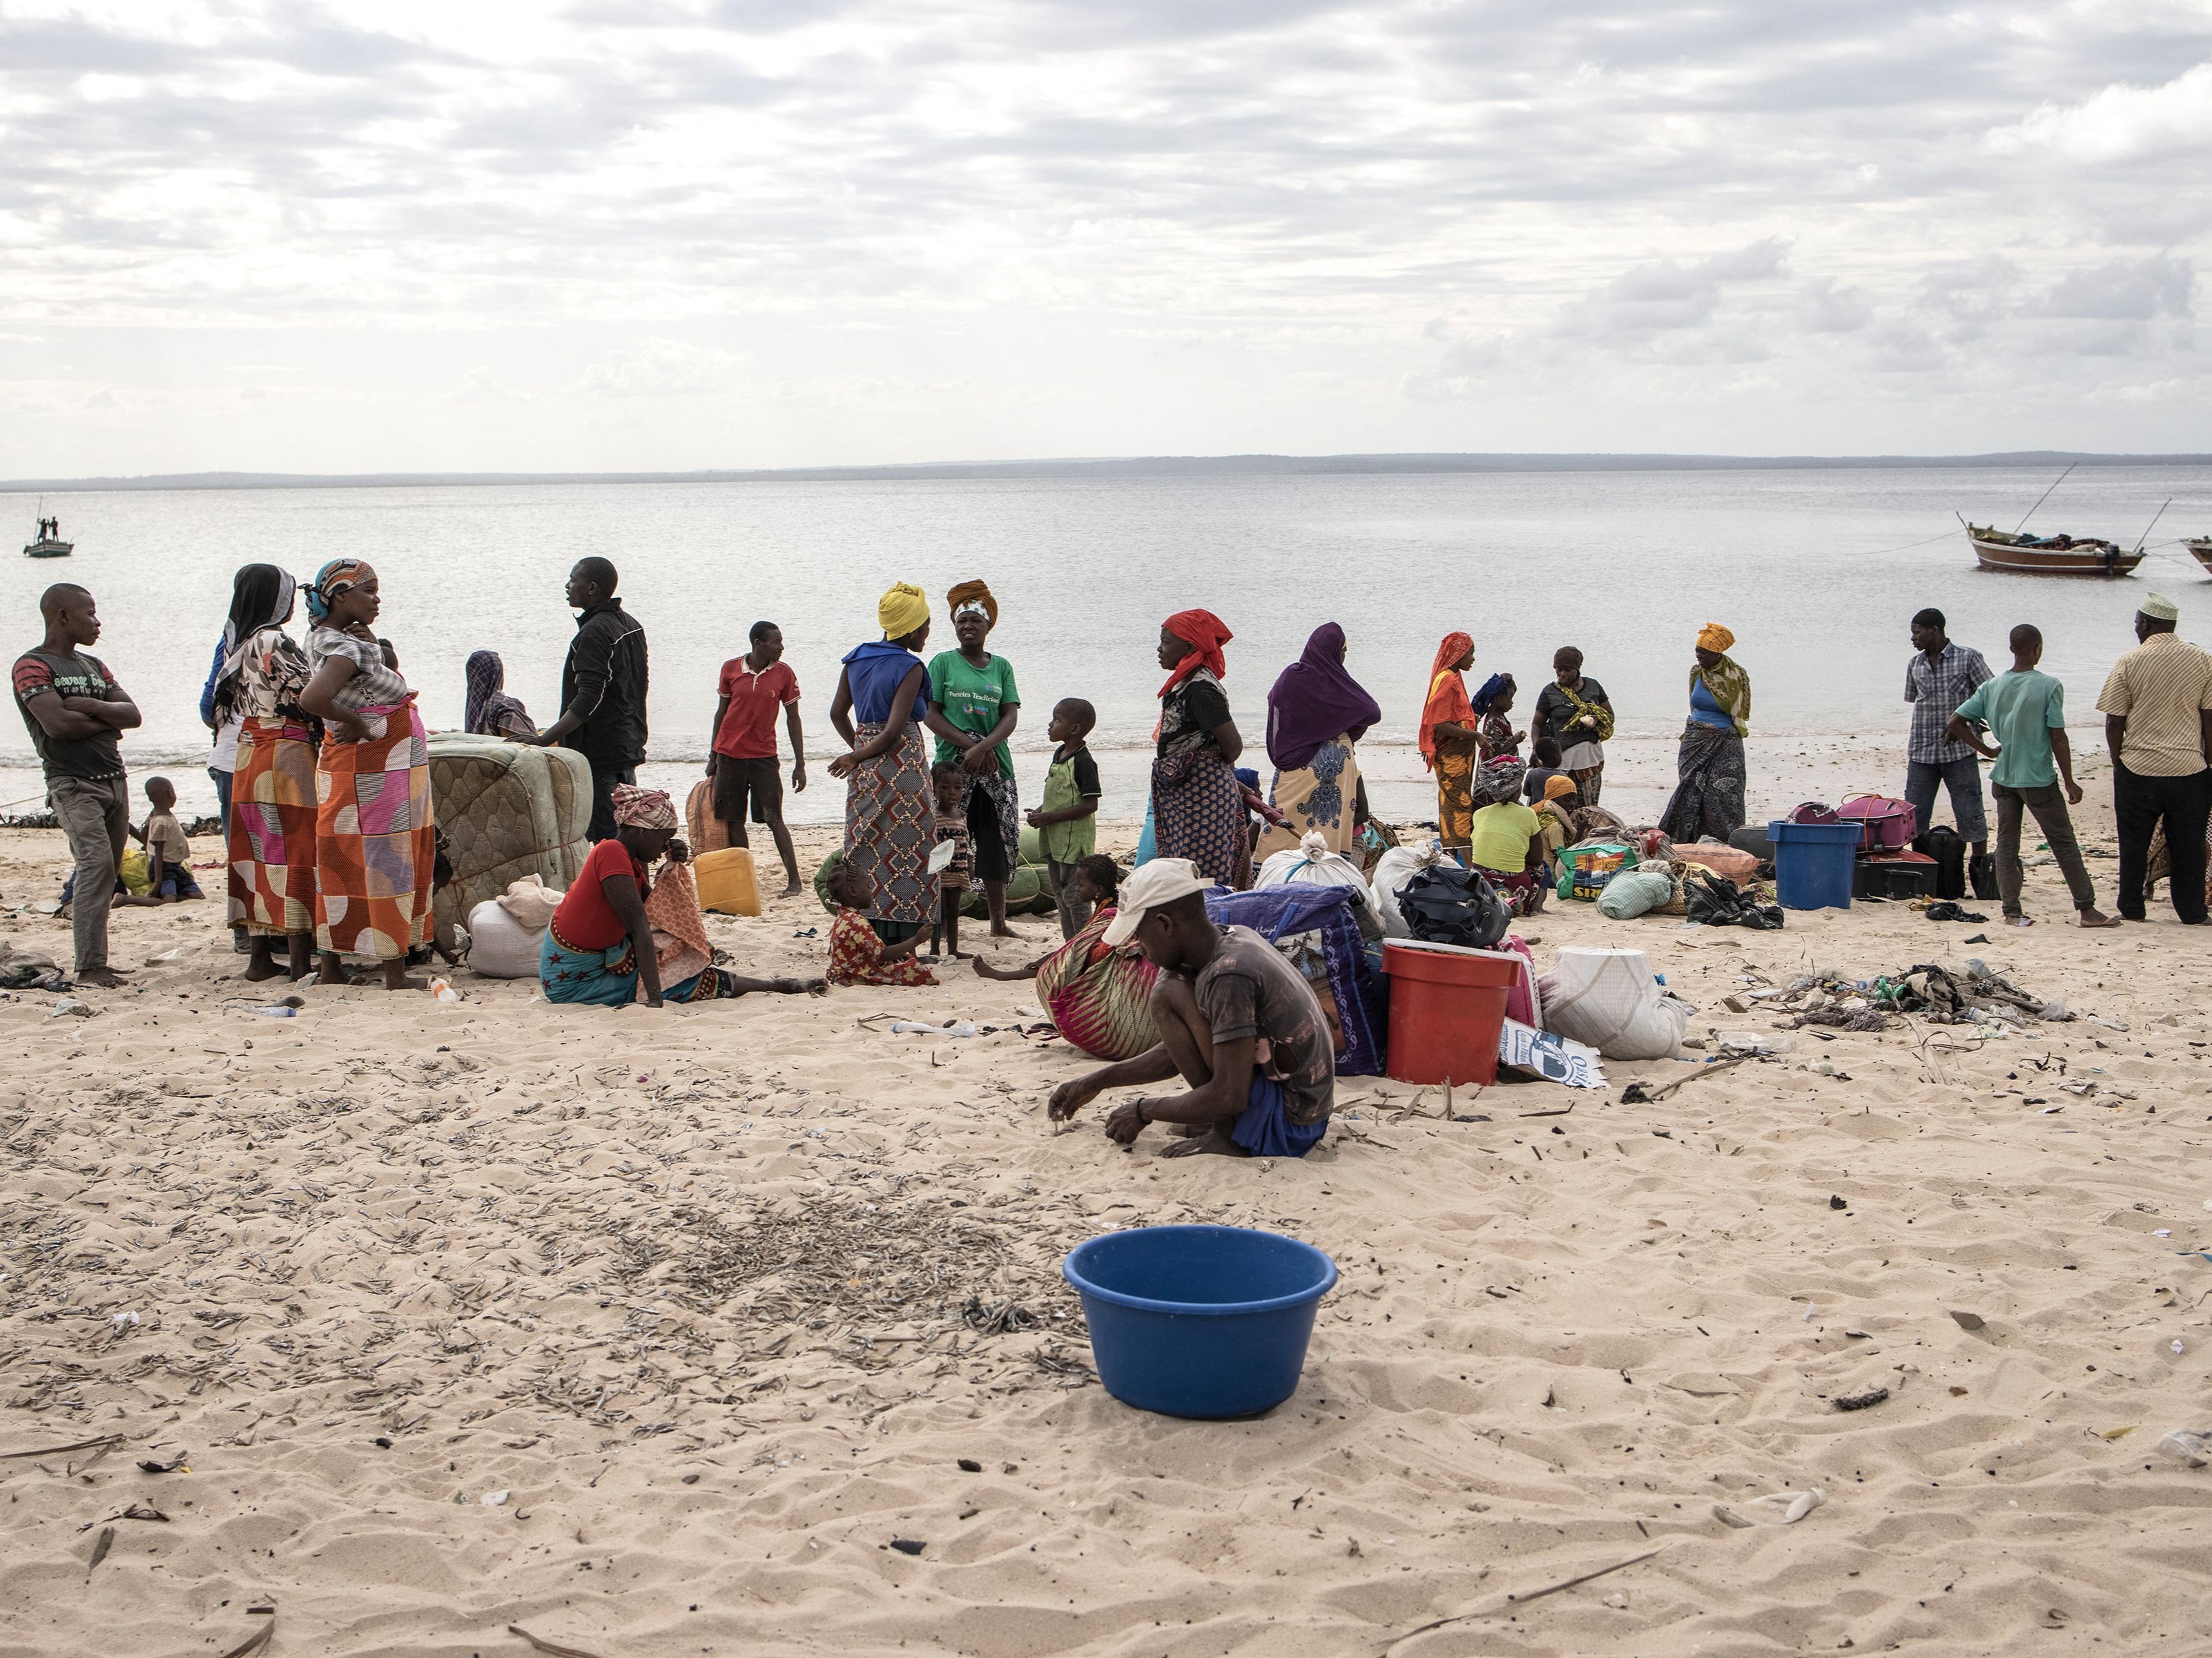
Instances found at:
x=603 y=687
x=73 y=708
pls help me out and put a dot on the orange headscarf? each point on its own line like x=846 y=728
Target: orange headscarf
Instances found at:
x=1205 y=633
x=1447 y=695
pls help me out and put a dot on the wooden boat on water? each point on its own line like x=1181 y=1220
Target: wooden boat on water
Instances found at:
x=50 y=544
x=2051 y=555
x=2200 y=549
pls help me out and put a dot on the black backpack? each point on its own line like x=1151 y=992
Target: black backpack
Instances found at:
x=1448 y=905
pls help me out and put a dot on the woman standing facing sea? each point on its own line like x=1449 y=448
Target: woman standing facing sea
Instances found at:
x=1317 y=712
x=1198 y=808
x=890 y=816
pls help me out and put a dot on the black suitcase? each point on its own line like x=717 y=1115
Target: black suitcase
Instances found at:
x=1906 y=877
x=1948 y=848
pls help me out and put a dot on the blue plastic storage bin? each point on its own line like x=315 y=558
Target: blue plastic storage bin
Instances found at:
x=1813 y=864
x=1200 y=1321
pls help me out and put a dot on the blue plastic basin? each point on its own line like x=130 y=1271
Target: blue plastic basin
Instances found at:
x=1813 y=864
x=1201 y=1321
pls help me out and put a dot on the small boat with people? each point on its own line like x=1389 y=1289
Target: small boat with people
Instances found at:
x=50 y=544
x=2051 y=555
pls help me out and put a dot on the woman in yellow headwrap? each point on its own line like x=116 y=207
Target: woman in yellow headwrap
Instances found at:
x=890 y=816
x=1708 y=802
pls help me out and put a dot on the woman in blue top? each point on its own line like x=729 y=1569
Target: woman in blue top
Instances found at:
x=1708 y=802
x=891 y=814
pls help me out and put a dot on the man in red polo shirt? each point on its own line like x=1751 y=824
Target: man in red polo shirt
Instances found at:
x=741 y=755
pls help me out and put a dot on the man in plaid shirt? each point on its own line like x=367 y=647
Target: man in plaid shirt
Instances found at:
x=1941 y=676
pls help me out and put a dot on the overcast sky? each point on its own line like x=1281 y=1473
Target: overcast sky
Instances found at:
x=668 y=233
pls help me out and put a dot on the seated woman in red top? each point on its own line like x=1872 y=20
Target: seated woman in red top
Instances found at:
x=599 y=949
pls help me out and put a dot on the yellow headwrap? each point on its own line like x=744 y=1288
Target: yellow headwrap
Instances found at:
x=1714 y=637
x=1554 y=787
x=901 y=610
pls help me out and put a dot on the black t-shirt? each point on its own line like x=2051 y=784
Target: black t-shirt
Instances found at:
x=41 y=673
x=1191 y=712
x=1086 y=775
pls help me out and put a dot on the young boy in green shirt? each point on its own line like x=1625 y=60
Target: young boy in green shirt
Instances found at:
x=2026 y=711
x=1068 y=822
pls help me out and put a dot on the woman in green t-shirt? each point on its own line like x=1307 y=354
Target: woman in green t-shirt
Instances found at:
x=972 y=708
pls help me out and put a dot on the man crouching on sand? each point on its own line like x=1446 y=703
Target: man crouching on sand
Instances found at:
x=1236 y=1022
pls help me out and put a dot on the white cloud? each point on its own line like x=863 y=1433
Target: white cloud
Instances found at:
x=2120 y=122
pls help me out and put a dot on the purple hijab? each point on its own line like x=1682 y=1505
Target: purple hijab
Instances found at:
x=1314 y=702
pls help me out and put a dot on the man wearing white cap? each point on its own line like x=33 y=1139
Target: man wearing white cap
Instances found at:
x=1236 y=1022
x=2157 y=704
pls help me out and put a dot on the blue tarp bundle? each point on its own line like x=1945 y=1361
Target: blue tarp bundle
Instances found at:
x=1279 y=912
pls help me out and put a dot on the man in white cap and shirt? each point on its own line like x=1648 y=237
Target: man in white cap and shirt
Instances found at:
x=1236 y=1022
x=2157 y=704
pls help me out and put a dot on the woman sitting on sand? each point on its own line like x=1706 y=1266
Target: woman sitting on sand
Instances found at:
x=1708 y=801
x=1448 y=741
x=1557 y=812
x=491 y=711
x=1316 y=713
x=600 y=948
x=1099 y=997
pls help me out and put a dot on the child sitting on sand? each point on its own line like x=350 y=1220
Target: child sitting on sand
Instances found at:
x=168 y=850
x=857 y=955
x=950 y=784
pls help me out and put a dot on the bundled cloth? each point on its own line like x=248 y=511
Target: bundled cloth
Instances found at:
x=1711 y=901
x=1315 y=926
x=1608 y=999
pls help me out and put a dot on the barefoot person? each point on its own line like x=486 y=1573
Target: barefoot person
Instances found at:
x=376 y=848
x=858 y=954
x=1235 y=1021
x=1099 y=994
x=271 y=841
x=600 y=948
x=2157 y=704
x=891 y=817
x=741 y=748
x=1450 y=745
x=73 y=708
x=974 y=707
x=603 y=690
x=1198 y=804
x=2026 y=712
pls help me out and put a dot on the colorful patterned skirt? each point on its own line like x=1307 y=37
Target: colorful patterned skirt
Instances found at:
x=609 y=979
x=1100 y=1000
x=272 y=829
x=890 y=823
x=375 y=845
x=1320 y=798
x=1198 y=813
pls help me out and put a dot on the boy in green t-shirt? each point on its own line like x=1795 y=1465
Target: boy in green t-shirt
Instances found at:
x=1068 y=823
x=2026 y=711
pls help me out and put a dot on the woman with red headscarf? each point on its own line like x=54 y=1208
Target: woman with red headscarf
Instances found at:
x=1450 y=742
x=1198 y=809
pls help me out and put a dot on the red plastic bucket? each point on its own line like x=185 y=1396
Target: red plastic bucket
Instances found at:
x=1447 y=1010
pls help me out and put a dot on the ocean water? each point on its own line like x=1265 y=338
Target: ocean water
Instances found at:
x=1817 y=571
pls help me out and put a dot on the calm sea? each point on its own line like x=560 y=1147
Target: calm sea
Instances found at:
x=1813 y=570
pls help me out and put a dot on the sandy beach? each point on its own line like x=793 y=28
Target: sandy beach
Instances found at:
x=650 y=1333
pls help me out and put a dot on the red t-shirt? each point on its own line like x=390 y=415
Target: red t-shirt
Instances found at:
x=586 y=921
x=748 y=729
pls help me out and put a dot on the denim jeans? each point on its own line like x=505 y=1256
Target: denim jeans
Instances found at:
x=1963 y=778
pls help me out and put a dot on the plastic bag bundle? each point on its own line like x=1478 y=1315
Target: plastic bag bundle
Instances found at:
x=1713 y=902
x=1447 y=903
x=1608 y=1000
x=1634 y=892
x=1311 y=863
x=1397 y=866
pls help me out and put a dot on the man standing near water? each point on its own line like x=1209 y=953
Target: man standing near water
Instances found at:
x=741 y=747
x=1941 y=676
x=2157 y=704
x=73 y=709
x=603 y=687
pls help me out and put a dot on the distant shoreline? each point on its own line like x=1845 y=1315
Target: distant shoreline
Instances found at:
x=1137 y=466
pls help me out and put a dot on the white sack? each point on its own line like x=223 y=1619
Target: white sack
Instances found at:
x=1396 y=867
x=1311 y=863
x=500 y=946
x=1608 y=999
x=531 y=902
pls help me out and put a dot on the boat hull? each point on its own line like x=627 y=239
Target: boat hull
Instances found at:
x=48 y=547
x=2200 y=548
x=2052 y=561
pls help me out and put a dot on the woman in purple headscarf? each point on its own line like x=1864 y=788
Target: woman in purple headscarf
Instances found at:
x=1316 y=713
